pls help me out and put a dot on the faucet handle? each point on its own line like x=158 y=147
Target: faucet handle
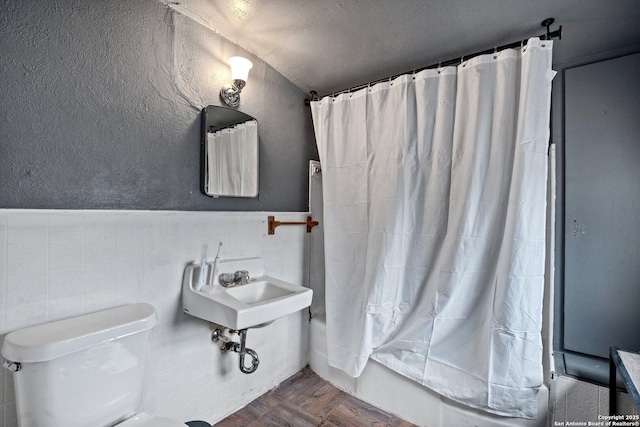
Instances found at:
x=227 y=279
x=241 y=277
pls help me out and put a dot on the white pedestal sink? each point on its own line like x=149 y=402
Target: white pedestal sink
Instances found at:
x=261 y=301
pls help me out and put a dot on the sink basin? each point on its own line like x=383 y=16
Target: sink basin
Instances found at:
x=258 y=292
x=259 y=302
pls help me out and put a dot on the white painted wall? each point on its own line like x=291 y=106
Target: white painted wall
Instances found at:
x=58 y=264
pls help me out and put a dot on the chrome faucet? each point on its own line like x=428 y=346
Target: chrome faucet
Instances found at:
x=241 y=277
x=229 y=280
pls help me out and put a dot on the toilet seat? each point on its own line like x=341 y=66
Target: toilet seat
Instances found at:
x=146 y=420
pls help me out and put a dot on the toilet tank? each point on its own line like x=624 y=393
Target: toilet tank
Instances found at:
x=84 y=371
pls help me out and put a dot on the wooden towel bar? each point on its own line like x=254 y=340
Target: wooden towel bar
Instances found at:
x=310 y=223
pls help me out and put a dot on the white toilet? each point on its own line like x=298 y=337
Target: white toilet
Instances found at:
x=87 y=371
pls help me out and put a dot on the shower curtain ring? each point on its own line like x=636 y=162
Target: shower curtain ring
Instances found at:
x=439 y=69
x=495 y=52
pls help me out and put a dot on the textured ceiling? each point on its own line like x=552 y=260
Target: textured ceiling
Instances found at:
x=329 y=45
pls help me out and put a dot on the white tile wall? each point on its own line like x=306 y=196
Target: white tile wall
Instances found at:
x=57 y=264
x=579 y=401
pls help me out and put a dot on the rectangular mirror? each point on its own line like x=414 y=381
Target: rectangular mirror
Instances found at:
x=229 y=157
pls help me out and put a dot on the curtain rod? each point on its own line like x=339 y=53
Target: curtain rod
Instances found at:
x=547 y=36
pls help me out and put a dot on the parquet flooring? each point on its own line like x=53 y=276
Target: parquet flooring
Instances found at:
x=306 y=400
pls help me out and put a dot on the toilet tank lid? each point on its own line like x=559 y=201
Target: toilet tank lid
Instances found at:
x=52 y=340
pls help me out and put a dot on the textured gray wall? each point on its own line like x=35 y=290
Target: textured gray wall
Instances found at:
x=100 y=109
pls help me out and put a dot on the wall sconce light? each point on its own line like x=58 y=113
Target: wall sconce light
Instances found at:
x=230 y=93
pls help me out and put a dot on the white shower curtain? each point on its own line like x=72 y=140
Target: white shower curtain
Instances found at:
x=434 y=220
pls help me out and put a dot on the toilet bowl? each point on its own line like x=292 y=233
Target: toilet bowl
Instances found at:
x=84 y=371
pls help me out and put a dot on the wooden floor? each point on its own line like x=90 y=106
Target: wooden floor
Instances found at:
x=307 y=400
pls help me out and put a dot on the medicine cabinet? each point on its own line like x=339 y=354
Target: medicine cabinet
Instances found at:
x=229 y=153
